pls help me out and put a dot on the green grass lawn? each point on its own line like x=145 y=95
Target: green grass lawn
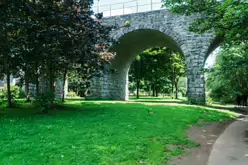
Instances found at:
x=98 y=133
x=165 y=99
x=149 y=98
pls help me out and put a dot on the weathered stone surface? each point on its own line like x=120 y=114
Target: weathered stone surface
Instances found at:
x=59 y=88
x=148 y=29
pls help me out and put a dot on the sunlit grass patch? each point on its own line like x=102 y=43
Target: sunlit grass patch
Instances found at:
x=99 y=132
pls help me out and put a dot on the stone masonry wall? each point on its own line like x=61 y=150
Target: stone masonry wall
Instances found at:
x=111 y=86
x=193 y=46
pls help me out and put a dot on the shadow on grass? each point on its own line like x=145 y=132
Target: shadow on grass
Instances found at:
x=232 y=109
x=75 y=106
x=23 y=110
x=150 y=98
x=75 y=99
x=159 y=101
x=183 y=101
x=27 y=110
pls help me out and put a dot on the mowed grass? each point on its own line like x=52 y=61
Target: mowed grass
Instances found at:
x=98 y=133
x=149 y=98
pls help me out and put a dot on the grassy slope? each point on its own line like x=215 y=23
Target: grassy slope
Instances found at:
x=92 y=133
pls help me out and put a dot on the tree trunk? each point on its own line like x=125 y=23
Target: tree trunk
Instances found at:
x=26 y=81
x=37 y=84
x=10 y=105
x=172 y=88
x=86 y=92
x=138 y=86
x=44 y=88
x=26 y=86
x=77 y=92
x=150 y=89
x=173 y=81
x=51 y=84
x=153 y=90
x=27 y=90
x=156 y=92
x=64 y=81
x=176 y=86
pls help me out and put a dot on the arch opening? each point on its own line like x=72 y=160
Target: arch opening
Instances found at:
x=215 y=44
x=209 y=63
x=129 y=46
x=158 y=73
x=133 y=43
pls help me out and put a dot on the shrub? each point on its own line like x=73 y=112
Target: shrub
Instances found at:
x=22 y=94
x=44 y=101
x=15 y=91
x=15 y=103
x=72 y=94
x=171 y=95
x=3 y=103
x=209 y=100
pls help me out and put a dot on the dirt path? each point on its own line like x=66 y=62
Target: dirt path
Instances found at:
x=206 y=137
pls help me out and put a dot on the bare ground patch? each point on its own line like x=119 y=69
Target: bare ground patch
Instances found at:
x=206 y=137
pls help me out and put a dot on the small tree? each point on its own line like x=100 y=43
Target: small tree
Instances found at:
x=177 y=70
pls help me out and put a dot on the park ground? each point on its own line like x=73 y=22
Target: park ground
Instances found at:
x=145 y=131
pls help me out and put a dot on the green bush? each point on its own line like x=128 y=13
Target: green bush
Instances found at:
x=209 y=100
x=3 y=103
x=15 y=91
x=15 y=103
x=171 y=95
x=22 y=94
x=72 y=94
x=44 y=101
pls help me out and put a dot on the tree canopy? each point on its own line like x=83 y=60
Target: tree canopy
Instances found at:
x=157 y=70
x=42 y=40
x=229 y=77
x=227 y=18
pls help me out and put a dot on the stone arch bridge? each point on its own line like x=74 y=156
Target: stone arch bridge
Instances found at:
x=150 y=29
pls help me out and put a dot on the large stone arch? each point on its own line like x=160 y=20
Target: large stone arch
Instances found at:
x=135 y=41
x=131 y=44
x=163 y=29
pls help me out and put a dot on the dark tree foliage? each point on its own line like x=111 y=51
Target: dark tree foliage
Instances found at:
x=42 y=40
